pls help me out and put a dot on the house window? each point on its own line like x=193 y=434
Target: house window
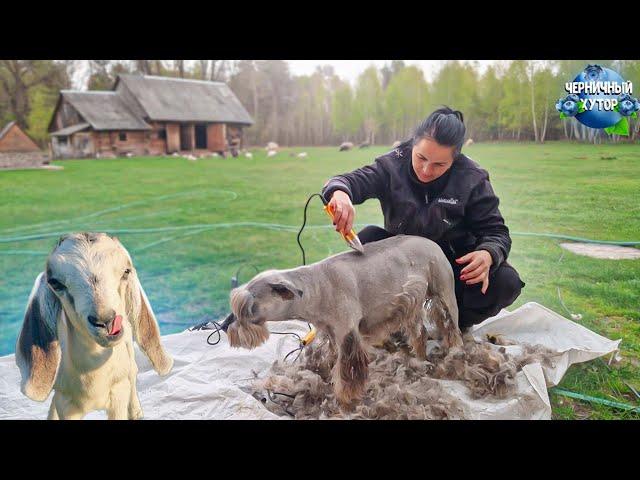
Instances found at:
x=63 y=140
x=162 y=134
x=122 y=136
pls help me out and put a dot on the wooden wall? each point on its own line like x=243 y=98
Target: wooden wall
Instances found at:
x=173 y=137
x=66 y=116
x=109 y=143
x=143 y=143
x=216 y=137
x=156 y=144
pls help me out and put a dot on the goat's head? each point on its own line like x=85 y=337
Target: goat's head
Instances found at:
x=90 y=274
x=268 y=297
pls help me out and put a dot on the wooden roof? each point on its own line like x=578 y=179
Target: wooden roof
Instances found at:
x=185 y=100
x=104 y=110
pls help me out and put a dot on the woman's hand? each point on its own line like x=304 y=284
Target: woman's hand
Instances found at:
x=343 y=211
x=478 y=269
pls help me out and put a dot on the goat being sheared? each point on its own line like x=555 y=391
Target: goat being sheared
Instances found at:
x=356 y=300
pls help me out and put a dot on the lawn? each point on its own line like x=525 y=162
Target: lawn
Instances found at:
x=212 y=217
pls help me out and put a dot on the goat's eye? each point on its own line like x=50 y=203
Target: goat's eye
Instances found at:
x=126 y=273
x=56 y=285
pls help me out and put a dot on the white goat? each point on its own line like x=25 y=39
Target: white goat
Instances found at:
x=77 y=335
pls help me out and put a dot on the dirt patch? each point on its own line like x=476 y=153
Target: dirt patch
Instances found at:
x=608 y=252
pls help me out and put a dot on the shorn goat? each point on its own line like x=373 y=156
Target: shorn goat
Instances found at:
x=356 y=300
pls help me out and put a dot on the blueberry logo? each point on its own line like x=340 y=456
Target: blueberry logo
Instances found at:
x=628 y=106
x=593 y=73
x=570 y=106
x=600 y=98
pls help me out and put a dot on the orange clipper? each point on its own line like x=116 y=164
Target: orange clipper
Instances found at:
x=351 y=238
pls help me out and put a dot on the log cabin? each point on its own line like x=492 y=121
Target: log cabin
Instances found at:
x=148 y=115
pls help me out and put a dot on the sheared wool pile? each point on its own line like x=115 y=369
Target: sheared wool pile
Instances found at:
x=400 y=386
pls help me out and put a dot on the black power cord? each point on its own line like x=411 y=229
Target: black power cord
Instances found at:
x=235 y=282
x=304 y=222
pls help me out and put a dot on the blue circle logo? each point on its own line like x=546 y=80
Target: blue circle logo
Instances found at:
x=598 y=97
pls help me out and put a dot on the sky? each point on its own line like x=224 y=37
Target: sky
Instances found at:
x=350 y=69
x=346 y=69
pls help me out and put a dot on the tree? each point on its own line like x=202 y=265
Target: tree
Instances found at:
x=456 y=85
x=406 y=101
x=368 y=102
x=389 y=71
x=512 y=108
x=345 y=122
x=18 y=78
x=490 y=93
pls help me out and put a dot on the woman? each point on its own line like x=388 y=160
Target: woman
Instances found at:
x=427 y=187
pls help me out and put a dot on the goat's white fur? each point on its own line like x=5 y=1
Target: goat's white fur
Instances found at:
x=58 y=349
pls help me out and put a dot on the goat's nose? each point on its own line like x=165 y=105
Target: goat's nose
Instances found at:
x=105 y=320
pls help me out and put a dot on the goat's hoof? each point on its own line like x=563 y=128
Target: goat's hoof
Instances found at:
x=136 y=415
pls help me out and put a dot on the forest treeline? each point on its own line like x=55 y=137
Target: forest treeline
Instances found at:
x=507 y=101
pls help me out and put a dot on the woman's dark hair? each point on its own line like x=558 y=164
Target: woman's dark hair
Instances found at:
x=445 y=126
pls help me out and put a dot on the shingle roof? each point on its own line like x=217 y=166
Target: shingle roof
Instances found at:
x=69 y=130
x=105 y=110
x=185 y=100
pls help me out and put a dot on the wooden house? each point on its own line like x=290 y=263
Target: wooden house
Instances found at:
x=13 y=140
x=148 y=115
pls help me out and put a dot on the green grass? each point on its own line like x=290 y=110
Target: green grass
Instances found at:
x=552 y=188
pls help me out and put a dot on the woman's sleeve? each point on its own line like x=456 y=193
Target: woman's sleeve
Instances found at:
x=487 y=224
x=361 y=184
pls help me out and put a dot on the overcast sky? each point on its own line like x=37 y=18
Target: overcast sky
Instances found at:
x=350 y=69
x=346 y=69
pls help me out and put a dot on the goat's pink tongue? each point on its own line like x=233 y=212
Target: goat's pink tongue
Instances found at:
x=116 y=326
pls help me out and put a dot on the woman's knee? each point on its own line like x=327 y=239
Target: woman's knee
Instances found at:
x=508 y=284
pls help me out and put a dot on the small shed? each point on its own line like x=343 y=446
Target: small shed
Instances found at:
x=19 y=150
x=14 y=139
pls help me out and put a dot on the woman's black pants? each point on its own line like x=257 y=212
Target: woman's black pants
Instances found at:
x=473 y=306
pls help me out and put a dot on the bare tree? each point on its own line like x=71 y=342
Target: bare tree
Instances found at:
x=18 y=77
x=178 y=65
x=143 y=66
x=204 y=68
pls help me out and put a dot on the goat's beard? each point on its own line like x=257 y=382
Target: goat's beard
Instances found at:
x=247 y=335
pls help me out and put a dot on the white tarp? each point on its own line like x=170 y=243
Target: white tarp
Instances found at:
x=214 y=382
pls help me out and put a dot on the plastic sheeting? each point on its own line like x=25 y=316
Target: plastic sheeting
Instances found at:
x=214 y=382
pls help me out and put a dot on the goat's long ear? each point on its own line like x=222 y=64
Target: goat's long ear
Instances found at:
x=143 y=321
x=286 y=289
x=37 y=349
x=145 y=327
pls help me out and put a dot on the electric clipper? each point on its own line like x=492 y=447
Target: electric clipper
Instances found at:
x=351 y=238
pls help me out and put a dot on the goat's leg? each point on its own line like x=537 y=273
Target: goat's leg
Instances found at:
x=64 y=409
x=351 y=370
x=119 y=399
x=135 y=409
x=418 y=339
x=53 y=412
x=443 y=308
x=407 y=310
x=447 y=328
